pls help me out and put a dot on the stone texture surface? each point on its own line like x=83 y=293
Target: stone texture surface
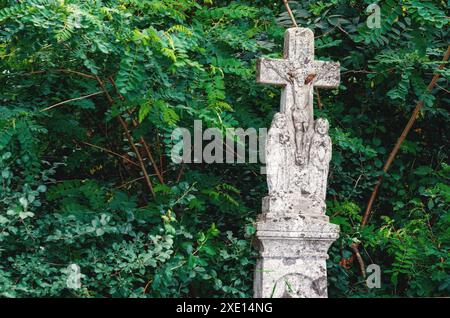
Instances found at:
x=293 y=232
x=293 y=252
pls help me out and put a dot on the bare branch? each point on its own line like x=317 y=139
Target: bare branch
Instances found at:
x=400 y=140
x=70 y=100
x=394 y=152
x=130 y=139
x=291 y=15
x=110 y=152
x=142 y=140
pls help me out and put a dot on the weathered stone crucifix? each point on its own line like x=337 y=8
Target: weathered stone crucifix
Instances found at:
x=298 y=73
x=293 y=231
x=298 y=69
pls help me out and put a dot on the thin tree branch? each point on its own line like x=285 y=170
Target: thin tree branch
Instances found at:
x=400 y=140
x=138 y=155
x=158 y=172
x=291 y=15
x=130 y=139
x=358 y=71
x=62 y=71
x=71 y=100
x=128 y=182
x=110 y=152
x=445 y=90
x=362 y=266
x=141 y=139
x=393 y=153
x=161 y=153
x=319 y=103
x=146 y=286
x=102 y=85
x=111 y=79
x=77 y=73
x=180 y=173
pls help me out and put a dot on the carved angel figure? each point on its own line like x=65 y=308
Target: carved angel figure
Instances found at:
x=277 y=147
x=319 y=158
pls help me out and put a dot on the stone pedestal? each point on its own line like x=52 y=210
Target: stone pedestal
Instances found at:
x=293 y=253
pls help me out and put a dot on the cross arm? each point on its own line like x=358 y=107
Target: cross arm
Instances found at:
x=327 y=74
x=271 y=71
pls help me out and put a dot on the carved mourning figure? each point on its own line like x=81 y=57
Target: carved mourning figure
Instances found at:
x=277 y=146
x=319 y=158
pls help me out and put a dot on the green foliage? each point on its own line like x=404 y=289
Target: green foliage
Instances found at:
x=72 y=189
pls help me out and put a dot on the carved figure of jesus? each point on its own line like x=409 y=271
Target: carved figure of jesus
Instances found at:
x=301 y=121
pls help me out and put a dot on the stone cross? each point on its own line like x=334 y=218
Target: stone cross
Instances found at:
x=293 y=231
x=298 y=72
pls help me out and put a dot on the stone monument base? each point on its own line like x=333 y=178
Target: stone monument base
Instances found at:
x=291 y=204
x=293 y=253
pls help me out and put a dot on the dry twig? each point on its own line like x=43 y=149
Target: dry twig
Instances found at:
x=291 y=15
x=110 y=152
x=130 y=139
x=70 y=100
x=393 y=153
x=400 y=140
